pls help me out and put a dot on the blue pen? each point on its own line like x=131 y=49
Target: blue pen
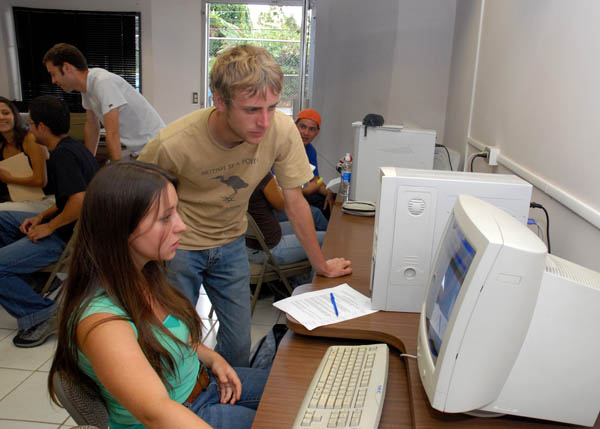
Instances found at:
x=333 y=302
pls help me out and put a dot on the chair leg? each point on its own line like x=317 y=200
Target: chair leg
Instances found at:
x=257 y=289
x=51 y=278
x=283 y=279
x=211 y=323
x=287 y=284
x=57 y=267
x=255 y=296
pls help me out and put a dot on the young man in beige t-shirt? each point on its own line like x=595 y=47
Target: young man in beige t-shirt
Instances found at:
x=219 y=155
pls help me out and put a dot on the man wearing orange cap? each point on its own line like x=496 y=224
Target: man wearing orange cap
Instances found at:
x=308 y=123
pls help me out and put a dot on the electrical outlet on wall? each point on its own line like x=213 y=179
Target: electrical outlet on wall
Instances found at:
x=194 y=98
x=492 y=155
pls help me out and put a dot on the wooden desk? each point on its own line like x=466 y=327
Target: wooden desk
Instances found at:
x=406 y=404
x=297 y=360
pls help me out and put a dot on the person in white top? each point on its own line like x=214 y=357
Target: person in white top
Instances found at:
x=129 y=119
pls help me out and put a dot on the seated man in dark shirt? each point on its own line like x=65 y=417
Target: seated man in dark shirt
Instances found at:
x=29 y=242
x=279 y=236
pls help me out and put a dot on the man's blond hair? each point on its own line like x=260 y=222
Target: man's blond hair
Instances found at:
x=245 y=68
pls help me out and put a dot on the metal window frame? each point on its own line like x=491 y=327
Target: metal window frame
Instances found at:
x=306 y=5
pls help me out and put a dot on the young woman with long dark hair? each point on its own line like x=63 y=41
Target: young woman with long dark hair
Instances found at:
x=14 y=139
x=123 y=329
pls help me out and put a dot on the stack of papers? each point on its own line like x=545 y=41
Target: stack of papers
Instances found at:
x=314 y=309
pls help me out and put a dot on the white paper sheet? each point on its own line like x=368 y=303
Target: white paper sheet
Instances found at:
x=314 y=309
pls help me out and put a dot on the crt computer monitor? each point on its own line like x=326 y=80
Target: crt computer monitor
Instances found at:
x=506 y=328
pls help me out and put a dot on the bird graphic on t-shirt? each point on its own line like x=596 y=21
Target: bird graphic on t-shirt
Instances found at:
x=234 y=182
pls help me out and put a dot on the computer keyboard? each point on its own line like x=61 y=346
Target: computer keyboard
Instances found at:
x=347 y=390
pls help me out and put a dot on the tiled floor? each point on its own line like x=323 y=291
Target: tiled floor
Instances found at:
x=24 y=399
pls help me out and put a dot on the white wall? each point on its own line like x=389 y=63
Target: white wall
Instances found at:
x=390 y=57
x=177 y=38
x=536 y=98
x=421 y=64
x=462 y=74
x=171 y=47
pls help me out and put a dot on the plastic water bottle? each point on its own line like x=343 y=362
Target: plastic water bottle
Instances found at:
x=346 y=177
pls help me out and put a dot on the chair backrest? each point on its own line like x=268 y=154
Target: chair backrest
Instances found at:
x=62 y=262
x=253 y=232
x=83 y=403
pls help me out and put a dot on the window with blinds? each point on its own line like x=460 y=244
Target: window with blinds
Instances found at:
x=110 y=40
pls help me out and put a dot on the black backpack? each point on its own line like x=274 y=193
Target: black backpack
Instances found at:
x=372 y=120
x=263 y=352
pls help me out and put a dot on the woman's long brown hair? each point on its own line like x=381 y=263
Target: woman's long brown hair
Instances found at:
x=117 y=199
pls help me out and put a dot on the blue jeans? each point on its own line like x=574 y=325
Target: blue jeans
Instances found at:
x=19 y=255
x=288 y=250
x=225 y=273
x=319 y=219
x=239 y=416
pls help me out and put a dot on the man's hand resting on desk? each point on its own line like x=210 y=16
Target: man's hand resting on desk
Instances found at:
x=336 y=267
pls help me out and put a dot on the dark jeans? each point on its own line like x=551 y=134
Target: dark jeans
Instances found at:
x=226 y=416
x=19 y=255
x=225 y=273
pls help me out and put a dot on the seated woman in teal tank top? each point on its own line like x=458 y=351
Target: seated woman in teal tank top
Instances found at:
x=125 y=331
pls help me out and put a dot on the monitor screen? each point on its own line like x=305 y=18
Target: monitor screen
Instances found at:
x=453 y=262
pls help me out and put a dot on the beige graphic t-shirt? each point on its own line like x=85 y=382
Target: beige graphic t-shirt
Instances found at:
x=215 y=183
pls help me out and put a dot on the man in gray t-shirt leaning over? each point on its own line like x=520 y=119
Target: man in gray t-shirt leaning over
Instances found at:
x=128 y=118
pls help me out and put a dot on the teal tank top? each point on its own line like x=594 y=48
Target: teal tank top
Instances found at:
x=186 y=362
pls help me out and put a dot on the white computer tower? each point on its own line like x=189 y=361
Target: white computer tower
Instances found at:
x=413 y=208
x=387 y=146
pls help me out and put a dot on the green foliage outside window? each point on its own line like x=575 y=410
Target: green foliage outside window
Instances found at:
x=279 y=33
